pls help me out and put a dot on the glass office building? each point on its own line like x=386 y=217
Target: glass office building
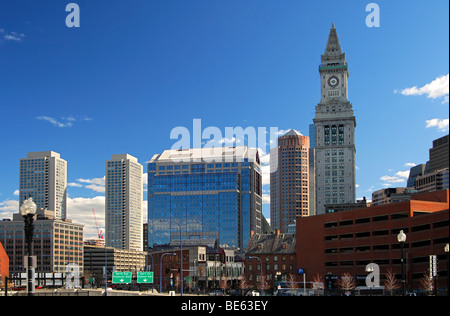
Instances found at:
x=214 y=201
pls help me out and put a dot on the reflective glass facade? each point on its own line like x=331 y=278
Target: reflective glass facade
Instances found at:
x=212 y=202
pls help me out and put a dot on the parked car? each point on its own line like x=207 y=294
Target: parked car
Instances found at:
x=216 y=293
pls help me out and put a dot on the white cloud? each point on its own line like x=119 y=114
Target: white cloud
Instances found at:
x=63 y=121
x=442 y=125
x=11 y=36
x=266 y=198
x=79 y=210
x=438 y=88
x=8 y=207
x=265 y=175
x=96 y=184
x=392 y=179
x=399 y=177
x=16 y=192
x=410 y=164
x=74 y=184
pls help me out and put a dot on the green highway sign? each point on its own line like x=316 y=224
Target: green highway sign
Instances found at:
x=145 y=277
x=121 y=277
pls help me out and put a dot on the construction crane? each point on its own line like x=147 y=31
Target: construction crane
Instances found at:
x=99 y=232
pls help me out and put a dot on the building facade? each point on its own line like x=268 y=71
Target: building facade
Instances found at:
x=204 y=268
x=4 y=265
x=289 y=180
x=56 y=243
x=208 y=196
x=334 y=131
x=43 y=176
x=277 y=253
x=96 y=258
x=433 y=181
x=123 y=202
x=439 y=154
x=346 y=242
x=392 y=195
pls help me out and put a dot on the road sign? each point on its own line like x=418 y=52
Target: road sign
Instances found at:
x=121 y=277
x=145 y=277
x=301 y=271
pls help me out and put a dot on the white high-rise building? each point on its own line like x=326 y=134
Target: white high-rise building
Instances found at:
x=123 y=202
x=43 y=176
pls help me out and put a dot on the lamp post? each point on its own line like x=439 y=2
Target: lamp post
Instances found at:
x=28 y=210
x=401 y=237
x=446 y=249
x=160 y=269
x=181 y=259
x=261 y=272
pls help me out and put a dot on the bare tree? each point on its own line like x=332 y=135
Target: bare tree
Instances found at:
x=426 y=283
x=391 y=283
x=318 y=278
x=292 y=282
x=346 y=282
x=224 y=284
x=265 y=283
x=243 y=283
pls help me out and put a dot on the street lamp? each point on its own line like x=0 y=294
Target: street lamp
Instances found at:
x=160 y=269
x=181 y=255
x=28 y=210
x=261 y=272
x=446 y=249
x=401 y=237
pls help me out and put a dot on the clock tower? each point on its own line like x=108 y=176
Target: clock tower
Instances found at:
x=334 y=131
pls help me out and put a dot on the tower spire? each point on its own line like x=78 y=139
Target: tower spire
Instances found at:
x=333 y=52
x=333 y=45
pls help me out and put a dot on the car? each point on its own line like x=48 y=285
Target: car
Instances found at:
x=216 y=293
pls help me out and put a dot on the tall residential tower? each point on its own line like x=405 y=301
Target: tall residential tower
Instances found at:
x=335 y=131
x=289 y=180
x=123 y=202
x=43 y=176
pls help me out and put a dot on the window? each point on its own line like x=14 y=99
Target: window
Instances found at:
x=333 y=93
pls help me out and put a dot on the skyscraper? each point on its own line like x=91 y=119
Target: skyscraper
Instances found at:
x=123 y=202
x=43 y=176
x=216 y=198
x=289 y=180
x=335 y=130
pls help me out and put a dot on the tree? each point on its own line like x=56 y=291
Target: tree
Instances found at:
x=292 y=282
x=318 y=278
x=243 y=283
x=224 y=283
x=391 y=283
x=427 y=283
x=346 y=282
x=265 y=283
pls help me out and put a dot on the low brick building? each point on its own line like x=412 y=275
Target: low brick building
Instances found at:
x=346 y=242
x=277 y=252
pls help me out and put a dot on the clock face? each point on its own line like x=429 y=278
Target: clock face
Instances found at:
x=333 y=81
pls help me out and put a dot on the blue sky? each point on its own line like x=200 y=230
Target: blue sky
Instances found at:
x=134 y=70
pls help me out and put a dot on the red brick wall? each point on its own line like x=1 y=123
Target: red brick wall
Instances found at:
x=4 y=263
x=320 y=242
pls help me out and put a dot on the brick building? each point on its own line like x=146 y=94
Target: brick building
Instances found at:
x=345 y=242
x=278 y=257
x=4 y=265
